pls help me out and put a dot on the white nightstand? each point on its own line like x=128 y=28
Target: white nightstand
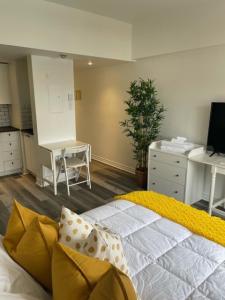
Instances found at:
x=173 y=174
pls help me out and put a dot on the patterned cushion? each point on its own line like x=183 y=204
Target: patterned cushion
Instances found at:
x=73 y=229
x=92 y=240
x=107 y=246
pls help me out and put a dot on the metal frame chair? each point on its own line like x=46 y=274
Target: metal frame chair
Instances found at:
x=74 y=159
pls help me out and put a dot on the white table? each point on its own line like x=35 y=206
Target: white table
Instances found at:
x=55 y=151
x=217 y=164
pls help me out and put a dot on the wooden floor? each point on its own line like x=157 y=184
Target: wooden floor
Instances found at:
x=106 y=182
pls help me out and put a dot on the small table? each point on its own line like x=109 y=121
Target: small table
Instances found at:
x=55 y=151
x=217 y=164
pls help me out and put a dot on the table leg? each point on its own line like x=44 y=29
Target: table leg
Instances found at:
x=54 y=175
x=212 y=190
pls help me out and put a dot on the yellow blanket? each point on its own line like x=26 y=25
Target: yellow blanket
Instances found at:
x=197 y=221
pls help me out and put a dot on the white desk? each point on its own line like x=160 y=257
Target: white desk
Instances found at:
x=217 y=164
x=55 y=151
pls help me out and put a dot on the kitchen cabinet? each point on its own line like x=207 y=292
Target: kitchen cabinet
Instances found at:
x=10 y=153
x=5 y=95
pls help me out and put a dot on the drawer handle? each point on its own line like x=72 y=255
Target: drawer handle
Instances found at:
x=175 y=192
x=154 y=155
x=154 y=168
x=10 y=144
x=11 y=153
x=12 y=162
x=177 y=175
x=153 y=183
x=177 y=161
x=9 y=134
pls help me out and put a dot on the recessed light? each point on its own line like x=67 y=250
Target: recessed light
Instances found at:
x=90 y=63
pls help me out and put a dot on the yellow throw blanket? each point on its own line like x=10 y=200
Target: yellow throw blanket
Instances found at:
x=197 y=221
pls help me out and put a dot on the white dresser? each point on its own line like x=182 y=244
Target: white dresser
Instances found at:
x=10 y=153
x=174 y=174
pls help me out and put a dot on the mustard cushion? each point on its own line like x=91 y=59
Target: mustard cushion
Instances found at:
x=114 y=285
x=75 y=276
x=29 y=240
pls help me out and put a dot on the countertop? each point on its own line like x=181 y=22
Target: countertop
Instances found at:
x=8 y=129
x=28 y=131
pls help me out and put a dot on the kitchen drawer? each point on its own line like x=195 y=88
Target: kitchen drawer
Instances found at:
x=10 y=145
x=166 y=187
x=12 y=165
x=169 y=172
x=9 y=136
x=11 y=155
x=172 y=159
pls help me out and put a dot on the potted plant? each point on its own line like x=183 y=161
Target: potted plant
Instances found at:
x=145 y=116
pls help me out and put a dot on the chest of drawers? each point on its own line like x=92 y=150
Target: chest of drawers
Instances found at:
x=10 y=153
x=168 y=172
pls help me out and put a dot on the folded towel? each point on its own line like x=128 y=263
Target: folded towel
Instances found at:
x=183 y=146
x=179 y=139
x=173 y=149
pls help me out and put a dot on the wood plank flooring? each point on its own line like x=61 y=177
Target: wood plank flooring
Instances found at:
x=106 y=182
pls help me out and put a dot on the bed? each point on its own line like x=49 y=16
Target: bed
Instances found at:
x=165 y=259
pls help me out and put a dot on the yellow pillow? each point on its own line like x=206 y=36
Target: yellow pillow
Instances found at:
x=29 y=240
x=76 y=276
x=114 y=285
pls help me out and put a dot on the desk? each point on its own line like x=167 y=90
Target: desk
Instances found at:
x=217 y=164
x=55 y=151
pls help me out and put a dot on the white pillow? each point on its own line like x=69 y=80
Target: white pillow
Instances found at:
x=15 y=282
x=73 y=229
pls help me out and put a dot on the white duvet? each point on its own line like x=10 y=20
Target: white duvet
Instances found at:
x=166 y=260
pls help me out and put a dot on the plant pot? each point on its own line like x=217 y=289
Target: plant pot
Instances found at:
x=141 y=177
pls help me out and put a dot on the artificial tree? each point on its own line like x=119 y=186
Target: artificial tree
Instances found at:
x=145 y=116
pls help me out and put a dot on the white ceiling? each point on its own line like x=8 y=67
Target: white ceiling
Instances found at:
x=10 y=53
x=131 y=10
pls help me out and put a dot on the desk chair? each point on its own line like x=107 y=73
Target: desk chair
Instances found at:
x=73 y=160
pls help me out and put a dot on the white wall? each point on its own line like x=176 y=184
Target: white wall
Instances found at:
x=187 y=82
x=52 y=88
x=188 y=25
x=43 y=25
x=19 y=84
x=5 y=95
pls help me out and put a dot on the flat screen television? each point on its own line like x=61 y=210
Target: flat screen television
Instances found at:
x=216 y=133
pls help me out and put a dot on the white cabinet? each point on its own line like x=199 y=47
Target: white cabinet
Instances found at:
x=174 y=174
x=5 y=96
x=29 y=152
x=10 y=153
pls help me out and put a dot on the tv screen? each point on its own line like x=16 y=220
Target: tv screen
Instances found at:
x=216 y=134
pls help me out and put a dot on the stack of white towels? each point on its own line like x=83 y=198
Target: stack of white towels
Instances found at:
x=177 y=145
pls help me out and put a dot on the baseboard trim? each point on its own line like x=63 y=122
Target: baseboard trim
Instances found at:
x=113 y=164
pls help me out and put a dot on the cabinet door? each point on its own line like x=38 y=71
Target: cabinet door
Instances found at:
x=5 y=97
x=27 y=151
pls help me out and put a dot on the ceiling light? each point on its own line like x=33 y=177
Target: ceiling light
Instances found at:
x=90 y=63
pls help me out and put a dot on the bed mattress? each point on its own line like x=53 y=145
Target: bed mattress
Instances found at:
x=165 y=259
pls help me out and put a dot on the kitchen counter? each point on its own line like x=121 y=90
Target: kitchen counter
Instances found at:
x=28 y=131
x=8 y=129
